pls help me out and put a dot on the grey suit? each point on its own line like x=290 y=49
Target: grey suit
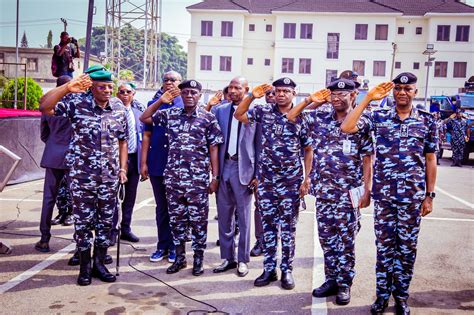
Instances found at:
x=233 y=194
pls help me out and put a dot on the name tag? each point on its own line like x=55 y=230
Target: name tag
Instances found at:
x=383 y=125
x=278 y=129
x=404 y=131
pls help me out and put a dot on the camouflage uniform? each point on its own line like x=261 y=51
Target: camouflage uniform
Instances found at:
x=398 y=191
x=93 y=160
x=333 y=174
x=187 y=171
x=458 y=129
x=280 y=175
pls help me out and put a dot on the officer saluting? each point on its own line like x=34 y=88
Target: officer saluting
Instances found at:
x=99 y=141
x=404 y=181
x=280 y=175
x=193 y=135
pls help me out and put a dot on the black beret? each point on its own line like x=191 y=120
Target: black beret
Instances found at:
x=286 y=82
x=193 y=84
x=342 y=85
x=405 y=78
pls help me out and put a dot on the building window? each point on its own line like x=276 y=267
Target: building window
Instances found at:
x=330 y=76
x=379 y=68
x=401 y=30
x=225 y=63
x=267 y=62
x=206 y=28
x=306 y=31
x=359 y=67
x=443 y=33
x=250 y=61
x=31 y=64
x=333 y=46
x=361 y=31
x=419 y=30
x=268 y=27
x=416 y=65
x=381 y=32
x=305 y=65
x=462 y=33
x=459 y=69
x=289 y=30
x=398 y=64
x=206 y=62
x=287 y=65
x=226 y=28
x=441 y=69
x=251 y=27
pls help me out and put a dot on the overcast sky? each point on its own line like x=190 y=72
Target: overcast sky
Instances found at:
x=37 y=17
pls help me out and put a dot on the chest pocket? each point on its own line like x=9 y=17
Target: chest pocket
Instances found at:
x=113 y=127
x=416 y=137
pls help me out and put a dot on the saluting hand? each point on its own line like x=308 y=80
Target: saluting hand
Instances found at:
x=426 y=206
x=260 y=90
x=380 y=91
x=304 y=188
x=170 y=95
x=216 y=99
x=320 y=97
x=80 y=84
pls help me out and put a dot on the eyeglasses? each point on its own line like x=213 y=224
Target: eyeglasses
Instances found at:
x=169 y=80
x=270 y=93
x=125 y=92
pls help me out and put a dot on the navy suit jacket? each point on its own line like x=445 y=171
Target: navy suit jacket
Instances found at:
x=56 y=133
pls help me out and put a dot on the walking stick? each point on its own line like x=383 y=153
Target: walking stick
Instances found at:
x=121 y=197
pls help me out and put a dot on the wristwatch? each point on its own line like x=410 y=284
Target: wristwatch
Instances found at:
x=216 y=177
x=431 y=194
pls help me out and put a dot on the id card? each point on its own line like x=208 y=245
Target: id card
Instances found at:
x=404 y=131
x=346 y=147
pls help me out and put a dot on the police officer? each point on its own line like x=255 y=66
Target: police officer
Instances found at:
x=280 y=175
x=97 y=161
x=340 y=162
x=193 y=135
x=154 y=156
x=404 y=181
x=458 y=127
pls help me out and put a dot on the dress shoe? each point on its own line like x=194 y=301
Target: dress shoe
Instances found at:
x=401 y=307
x=198 y=268
x=328 y=288
x=98 y=269
x=343 y=296
x=42 y=247
x=180 y=261
x=257 y=249
x=287 y=280
x=242 y=269
x=379 y=306
x=85 y=267
x=129 y=236
x=57 y=220
x=68 y=220
x=226 y=265
x=265 y=278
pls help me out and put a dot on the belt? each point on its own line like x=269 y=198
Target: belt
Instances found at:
x=233 y=157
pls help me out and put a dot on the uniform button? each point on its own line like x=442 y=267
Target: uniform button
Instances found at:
x=165 y=146
x=166 y=134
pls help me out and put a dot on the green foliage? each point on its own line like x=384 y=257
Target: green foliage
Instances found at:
x=33 y=93
x=126 y=75
x=3 y=81
x=132 y=50
x=49 y=43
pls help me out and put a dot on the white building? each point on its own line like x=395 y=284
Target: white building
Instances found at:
x=314 y=40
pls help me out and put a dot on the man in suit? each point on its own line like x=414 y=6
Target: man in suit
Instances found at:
x=237 y=171
x=125 y=93
x=56 y=132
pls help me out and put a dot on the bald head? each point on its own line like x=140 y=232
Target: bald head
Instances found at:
x=238 y=87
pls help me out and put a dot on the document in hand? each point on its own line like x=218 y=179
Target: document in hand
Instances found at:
x=356 y=194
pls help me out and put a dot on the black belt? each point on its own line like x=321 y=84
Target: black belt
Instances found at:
x=233 y=157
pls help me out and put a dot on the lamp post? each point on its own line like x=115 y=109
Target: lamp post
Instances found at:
x=428 y=52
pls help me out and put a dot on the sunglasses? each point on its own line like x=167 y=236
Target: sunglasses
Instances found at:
x=270 y=93
x=170 y=80
x=125 y=92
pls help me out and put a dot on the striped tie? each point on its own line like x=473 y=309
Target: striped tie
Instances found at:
x=132 y=140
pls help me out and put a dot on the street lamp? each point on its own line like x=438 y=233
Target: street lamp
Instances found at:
x=428 y=52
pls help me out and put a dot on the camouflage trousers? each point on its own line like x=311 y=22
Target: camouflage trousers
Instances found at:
x=457 y=145
x=278 y=204
x=63 y=200
x=93 y=205
x=396 y=228
x=338 y=224
x=188 y=209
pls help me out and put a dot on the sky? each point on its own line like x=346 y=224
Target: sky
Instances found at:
x=37 y=17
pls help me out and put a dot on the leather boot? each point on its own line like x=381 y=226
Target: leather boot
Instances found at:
x=379 y=306
x=180 y=261
x=85 y=267
x=99 y=270
x=287 y=280
x=401 y=307
x=75 y=259
x=328 y=288
x=265 y=278
x=198 y=268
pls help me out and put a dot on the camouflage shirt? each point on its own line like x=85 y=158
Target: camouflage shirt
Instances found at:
x=401 y=146
x=457 y=127
x=336 y=168
x=282 y=142
x=93 y=151
x=189 y=139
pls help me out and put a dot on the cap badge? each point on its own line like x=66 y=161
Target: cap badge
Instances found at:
x=341 y=85
x=404 y=79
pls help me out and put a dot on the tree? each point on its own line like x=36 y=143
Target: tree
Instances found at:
x=24 y=41
x=49 y=43
x=33 y=93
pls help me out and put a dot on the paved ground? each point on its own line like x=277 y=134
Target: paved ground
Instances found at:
x=36 y=283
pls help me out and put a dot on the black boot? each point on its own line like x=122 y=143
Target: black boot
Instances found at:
x=328 y=288
x=180 y=261
x=401 y=307
x=379 y=306
x=265 y=278
x=108 y=260
x=85 y=269
x=287 y=281
x=198 y=268
x=343 y=296
x=99 y=270
x=75 y=259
